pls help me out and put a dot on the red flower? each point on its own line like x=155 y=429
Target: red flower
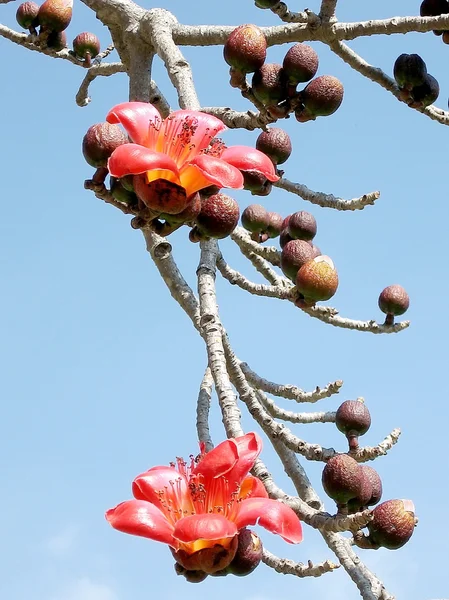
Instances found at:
x=198 y=509
x=181 y=150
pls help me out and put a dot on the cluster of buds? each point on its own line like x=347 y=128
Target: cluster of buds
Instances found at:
x=52 y=18
x=355 y=487
x=418 y=88
x=275 y=86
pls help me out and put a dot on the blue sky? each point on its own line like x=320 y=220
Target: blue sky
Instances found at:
x=101 y=369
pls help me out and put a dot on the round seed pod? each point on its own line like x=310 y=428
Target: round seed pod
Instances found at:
x=320 y=98
x=284 y=238
x=26 y=15
x=342 y=479
x=245 y=49
x=427 y=93
x=218 y=217
x=394 y=300
x=268 y=84
x=55 y=15
x=393 y=523
x=248 y=555
x=302 y=226
x=376 y=484
x=294 y=255
x=274 y=225
x=353 y=419
x=86 y=43
x=276 y=144
x=317 y=279
x=100 y=142
x=255 y=218
x=409 y=70
x=300 y=64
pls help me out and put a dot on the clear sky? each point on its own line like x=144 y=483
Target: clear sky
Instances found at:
x=100 y=368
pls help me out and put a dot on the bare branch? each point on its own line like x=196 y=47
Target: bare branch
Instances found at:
x=327 y=10
x=239 y=120
x=327 y=200
x=202 y=410
x=242 y=238
x=102 y=193
x=364 y=454
x=350 y=31
x=160 y=24
x=290 y=392
x=264 y=269
x=378 y=76
x=31 y=43
x=327 y=314
x=212 y=333
x=258 y=289
x=295 y=417
x=290 y=567
x=101 y=70
x=161 y=253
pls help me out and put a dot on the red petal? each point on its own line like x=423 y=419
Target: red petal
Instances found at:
x=246 y=158
x=207 y=170
x=142 y=121
x=252 y=488
x=132 y=159
x=141 y=518
x=233 y=458
x=166 y=488
x=185 y=133
x=274 y=515
x=204 y=527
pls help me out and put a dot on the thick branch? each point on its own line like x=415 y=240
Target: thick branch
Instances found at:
x=202 y=410
x=327 y=200
x=160 y=26
x=212 y=332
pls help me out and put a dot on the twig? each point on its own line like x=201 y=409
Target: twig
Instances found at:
x=242 y=238
x=258 y=289
x=350 y=31
x=290 y=567
x=102 y=193
x=327 y=314
x=295 y=417
x=364 y=454
x=30 y=42
x=327 y=200
x=290 y=392
x=202 y=410
x=101 y=70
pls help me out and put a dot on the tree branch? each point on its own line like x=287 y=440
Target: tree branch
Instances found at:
x=295 y=417
x=242 y=238
x=239 y=120
x=101 y=70
x=290 y=567
x=327 y=200
x=202 y=410
x=290 y=392
x=31 y=43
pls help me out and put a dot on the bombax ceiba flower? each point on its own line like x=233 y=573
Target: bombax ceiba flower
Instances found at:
x=171 y=159
x=198 y=509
